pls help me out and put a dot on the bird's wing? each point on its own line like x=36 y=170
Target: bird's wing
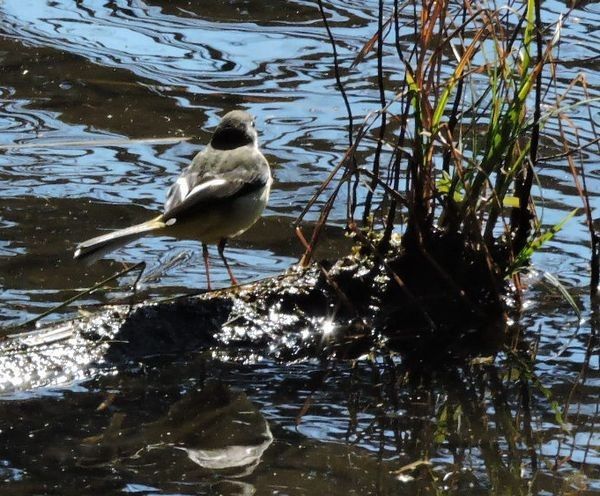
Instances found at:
x=213 y=177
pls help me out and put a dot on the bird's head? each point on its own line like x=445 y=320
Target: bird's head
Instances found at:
x=236 y=129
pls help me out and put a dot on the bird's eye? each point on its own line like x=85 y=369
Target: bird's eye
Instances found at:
x=253 y=124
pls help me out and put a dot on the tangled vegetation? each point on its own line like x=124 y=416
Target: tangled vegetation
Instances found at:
x=452 y=153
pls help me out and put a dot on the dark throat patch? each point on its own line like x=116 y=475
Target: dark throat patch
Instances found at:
x=228 y=138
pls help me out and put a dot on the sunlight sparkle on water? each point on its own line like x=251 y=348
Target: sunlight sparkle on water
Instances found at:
x=328 y=327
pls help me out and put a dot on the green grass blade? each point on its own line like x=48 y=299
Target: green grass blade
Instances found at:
x=522 y=259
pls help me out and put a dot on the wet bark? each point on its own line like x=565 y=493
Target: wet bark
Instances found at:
x=424 y=305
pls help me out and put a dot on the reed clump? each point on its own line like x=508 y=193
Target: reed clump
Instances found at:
x=448 y=161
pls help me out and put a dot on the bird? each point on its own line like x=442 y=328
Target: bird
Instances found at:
x=219 y=195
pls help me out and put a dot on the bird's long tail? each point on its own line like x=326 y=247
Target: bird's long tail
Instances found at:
x=98 y=246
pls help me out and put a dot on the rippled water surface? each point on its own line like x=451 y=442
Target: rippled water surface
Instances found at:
x=101 y=105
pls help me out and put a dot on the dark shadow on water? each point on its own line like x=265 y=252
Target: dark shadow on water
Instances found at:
x=235 y=423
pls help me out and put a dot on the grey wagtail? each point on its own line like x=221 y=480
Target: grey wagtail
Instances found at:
x=219 y=195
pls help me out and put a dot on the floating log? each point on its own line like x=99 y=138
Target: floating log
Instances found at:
x=418 y=305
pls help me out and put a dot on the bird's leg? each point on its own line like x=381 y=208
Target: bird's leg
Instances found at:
x=221 y=248
x=206 y=265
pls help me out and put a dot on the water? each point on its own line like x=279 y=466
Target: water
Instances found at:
x=101 y=105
